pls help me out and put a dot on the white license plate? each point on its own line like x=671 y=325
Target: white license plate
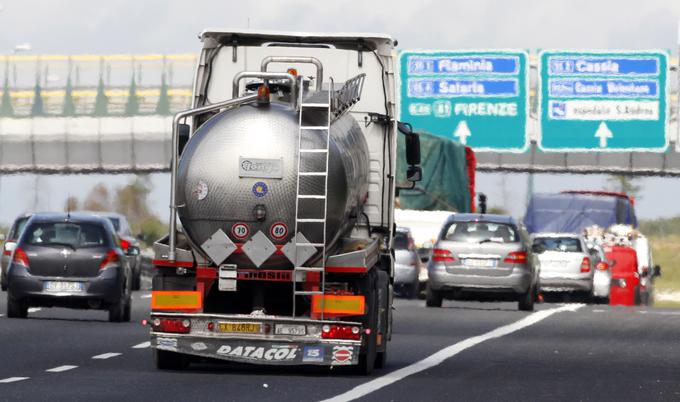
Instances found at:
x=59 y=286
x=478 y=262
x=288 y=329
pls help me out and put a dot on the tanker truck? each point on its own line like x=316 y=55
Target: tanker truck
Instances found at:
x=282 y=204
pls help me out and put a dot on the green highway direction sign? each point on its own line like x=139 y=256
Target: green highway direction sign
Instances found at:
x=603 y=101
x=479 y=98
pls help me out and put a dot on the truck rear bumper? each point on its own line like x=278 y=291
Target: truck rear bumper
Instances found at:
x=267 y=349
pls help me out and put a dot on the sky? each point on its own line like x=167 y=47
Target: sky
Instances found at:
x=155 y=26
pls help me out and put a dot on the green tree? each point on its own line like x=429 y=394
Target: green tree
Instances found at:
x=625 y=184
x=132 y=105
x=69 y=104
x=101 y=102
x=163 y=106
x=131 y=200
x=6 y=108
x=38 y=108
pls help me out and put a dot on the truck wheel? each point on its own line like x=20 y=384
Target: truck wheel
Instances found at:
x=385 y=321
x=433 y=298
x=368 y=355
x=526 y=300
x=16 y=308
x=166 y=360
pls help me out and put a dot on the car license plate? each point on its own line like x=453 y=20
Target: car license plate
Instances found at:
x=479 y=262
x=241 y=327
x=288 y=329
x=59 y=286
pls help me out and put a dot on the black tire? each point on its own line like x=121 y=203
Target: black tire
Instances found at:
x=385 y=318
x=381 y=359
x=527 y=299
x=166 y=360
x=433 y=298
x=137 y=281
x=16 y=308
x=127 y=311
x=368 y=355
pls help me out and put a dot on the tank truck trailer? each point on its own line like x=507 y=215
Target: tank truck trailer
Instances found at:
x=283 y=182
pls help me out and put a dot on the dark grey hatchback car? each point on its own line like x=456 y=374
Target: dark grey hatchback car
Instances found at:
x=69 y=260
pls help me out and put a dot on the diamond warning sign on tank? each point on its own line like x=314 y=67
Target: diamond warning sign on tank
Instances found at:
x=259 y=248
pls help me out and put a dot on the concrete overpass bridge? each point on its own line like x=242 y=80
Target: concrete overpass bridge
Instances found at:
x=69 y=131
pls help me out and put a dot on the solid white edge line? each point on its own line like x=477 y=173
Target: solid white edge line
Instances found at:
x=13 y=379
x=106 y=355
x=61 y=368
x=142 y=345
x=446 y=353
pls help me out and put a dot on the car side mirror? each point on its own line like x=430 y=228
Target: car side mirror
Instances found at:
x=657 y=270
x=414 y=174
x=413 y=149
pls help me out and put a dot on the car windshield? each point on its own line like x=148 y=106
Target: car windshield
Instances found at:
x=76 y=235
x=401 y=241
x=564 y=244
x=116 y=223
x=481 y=232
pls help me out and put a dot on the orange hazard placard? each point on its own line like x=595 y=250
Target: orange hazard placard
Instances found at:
x=338 y=305
x=176 y=300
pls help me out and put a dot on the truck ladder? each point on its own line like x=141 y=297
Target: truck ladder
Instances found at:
x=320 y=219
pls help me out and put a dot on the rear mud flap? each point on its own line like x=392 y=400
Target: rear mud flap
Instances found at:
x=260 y=352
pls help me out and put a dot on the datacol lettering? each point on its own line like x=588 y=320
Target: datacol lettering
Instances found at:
x=464 y=65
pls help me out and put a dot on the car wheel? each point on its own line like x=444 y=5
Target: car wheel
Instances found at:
x=433 y=298
x=127 y=311
x=166 y=360
x=16 y=308
x=527 y=299
x=412 y=290
x=137 y=280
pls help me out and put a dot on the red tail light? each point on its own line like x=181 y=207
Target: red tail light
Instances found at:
x=341 y=332
x=585 y=265
x=442 y=255
x=20 y=257
x=171 y=325
x=516 y=257
x=602 y=266
x=111 y=258
x=125 y=245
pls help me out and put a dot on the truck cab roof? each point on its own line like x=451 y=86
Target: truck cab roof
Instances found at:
x=340 y=40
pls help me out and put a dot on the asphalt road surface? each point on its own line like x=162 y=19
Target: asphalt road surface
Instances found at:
x=464 y=351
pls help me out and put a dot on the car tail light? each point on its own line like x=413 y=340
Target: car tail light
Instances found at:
x=516 y=257
x=442 y=255
x=585 y=265
x=20 y=257
x=125 y=245
x=6 y=249
x=176 y=326
x=110 y=259
x=602 y=266
x=341 y=332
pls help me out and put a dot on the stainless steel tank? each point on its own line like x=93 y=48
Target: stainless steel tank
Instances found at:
x=245 y=159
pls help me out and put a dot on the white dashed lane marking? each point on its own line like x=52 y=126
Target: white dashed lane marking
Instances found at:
x=34 y=309
x=13 y=379
x=61 y=368
x=146 y=296
x=106 y=356
x=142 y=345
x=446 y=353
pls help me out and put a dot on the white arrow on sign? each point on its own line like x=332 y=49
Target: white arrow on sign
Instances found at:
x=462 y=132
x=603 y=133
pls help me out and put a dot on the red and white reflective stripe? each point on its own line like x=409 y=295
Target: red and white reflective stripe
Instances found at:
x=168 y=263
x=346 y=270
